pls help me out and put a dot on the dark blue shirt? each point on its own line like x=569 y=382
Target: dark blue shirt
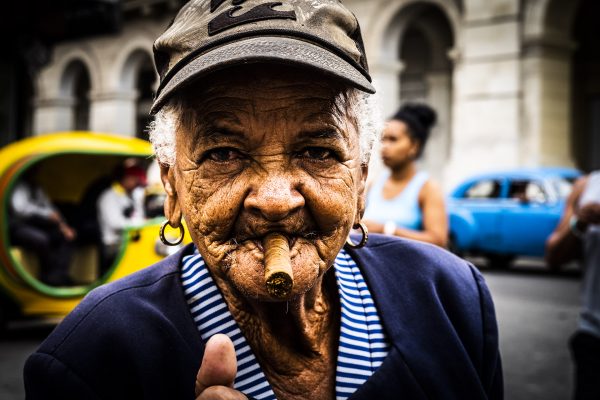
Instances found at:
x=135 y=338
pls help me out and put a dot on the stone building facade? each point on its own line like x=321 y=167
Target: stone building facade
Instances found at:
x=515 y=83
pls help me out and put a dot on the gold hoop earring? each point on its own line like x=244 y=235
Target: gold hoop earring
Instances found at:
x=363 y=240
x=163 y=239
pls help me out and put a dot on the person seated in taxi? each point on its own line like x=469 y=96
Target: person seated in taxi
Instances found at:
x=119 y=206
x=37 y=226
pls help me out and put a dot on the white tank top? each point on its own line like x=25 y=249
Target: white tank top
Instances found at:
x=589 y=320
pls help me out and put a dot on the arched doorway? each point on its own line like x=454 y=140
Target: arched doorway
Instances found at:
x=16 y=99
x=415 y=66
x=427 y=76
x=561 y=78
x=585 y=83
x=75 y=86
x=138 y=76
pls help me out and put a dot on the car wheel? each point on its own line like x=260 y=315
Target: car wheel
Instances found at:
x=3 y=319
x=452 y=247
x=500 y=261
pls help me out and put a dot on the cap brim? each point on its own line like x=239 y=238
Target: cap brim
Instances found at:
x=284 y=50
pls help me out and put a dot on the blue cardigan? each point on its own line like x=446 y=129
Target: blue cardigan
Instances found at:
x=135 y=338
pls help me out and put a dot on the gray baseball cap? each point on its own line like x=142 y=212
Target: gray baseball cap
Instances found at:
x=209 y=35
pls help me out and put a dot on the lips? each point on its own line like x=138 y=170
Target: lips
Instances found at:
x=255 y=229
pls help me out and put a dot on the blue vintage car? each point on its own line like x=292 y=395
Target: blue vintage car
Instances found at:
x=507 y=214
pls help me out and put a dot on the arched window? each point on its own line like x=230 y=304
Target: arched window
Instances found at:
x=424 y=40
x=138 y=76
x=75 y=85
x=145 y=87
x=16 y=100
x=585 y=81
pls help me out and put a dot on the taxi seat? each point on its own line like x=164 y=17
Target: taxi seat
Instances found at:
x=84 y=267
x=27 y=259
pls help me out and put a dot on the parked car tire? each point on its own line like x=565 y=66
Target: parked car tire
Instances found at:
x=453 y=247
x=3 y=319
x=500 y=261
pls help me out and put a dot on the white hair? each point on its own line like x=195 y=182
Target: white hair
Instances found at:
x=362 y=108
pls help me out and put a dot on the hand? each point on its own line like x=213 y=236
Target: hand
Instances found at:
x=217 y=372
x=68 y=232
x=55 y=217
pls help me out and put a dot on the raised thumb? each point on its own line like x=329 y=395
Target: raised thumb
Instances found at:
x=219 y=364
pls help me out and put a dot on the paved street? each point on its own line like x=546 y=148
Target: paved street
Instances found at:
x=537 y=313
x=536 y=310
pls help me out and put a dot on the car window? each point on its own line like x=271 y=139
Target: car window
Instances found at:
x=535 y=193
x=485 y=189
x=563 y=187
x=527 y=191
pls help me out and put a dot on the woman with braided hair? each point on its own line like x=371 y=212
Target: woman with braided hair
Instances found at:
x=404 y=201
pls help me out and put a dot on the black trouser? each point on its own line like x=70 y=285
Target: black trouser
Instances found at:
x=45 y=239
x=585 y=349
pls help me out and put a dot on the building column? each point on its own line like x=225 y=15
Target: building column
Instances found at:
x=53 y=115
x=546 y=111
x=114 y=112
x=438 y=147
x=486 y=127
x=386 y=79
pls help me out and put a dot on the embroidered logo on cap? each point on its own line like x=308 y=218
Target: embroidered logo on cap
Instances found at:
x=261 y=12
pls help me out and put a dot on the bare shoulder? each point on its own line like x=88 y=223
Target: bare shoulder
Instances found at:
x=578 y=188
x=431 y=190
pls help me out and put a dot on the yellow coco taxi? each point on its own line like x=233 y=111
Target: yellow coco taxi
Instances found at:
x=69 y=167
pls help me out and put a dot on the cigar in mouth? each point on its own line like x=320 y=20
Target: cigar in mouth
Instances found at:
x=279 y=277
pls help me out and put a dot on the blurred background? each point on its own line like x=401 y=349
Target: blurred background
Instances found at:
x=515 y=83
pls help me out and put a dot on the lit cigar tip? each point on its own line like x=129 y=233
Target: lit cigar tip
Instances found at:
x=279 y=285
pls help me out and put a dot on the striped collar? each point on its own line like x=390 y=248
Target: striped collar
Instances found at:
x=362 y=346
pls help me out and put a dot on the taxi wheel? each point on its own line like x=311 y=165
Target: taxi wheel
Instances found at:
x=3 y=319
x=7 y=311
x=452 y=247
x=500 y=261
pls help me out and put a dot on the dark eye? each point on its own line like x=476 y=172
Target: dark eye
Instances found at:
x=316 y=153
x=222 y=154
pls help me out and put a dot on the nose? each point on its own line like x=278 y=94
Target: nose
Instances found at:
x=274 y=197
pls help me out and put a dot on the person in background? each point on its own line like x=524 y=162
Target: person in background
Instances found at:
x=38 y=226
x=578 y=236
x=120 y=206
x=405 y=201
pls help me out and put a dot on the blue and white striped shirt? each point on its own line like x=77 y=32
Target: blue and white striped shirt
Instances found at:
x=362 y=347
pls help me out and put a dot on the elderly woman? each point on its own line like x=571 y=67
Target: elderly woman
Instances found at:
x=263 y=131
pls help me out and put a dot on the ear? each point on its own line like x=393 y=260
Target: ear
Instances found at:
x=415 y=148
x=172 y=209
x=362 y=194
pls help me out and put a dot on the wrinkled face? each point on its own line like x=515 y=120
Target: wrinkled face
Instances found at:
x=397 y=146
x=267 y=152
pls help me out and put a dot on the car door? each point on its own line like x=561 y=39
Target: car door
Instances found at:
x=481 y=201
x=528 y=217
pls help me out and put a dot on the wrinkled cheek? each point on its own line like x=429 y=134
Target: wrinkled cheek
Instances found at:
x=334 y=208
x=212 y=208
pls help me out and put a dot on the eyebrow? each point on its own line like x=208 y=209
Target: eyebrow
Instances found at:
x=327 y=133
x=213 y=133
